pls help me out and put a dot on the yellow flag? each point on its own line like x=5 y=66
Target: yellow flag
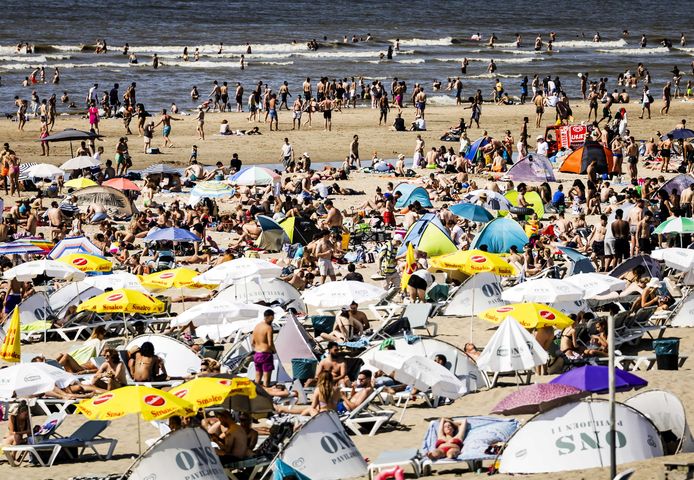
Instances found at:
x=10 y=351
x=410 y=266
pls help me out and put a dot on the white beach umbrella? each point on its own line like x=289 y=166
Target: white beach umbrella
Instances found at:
x=256 y=289
x=27 y=379
x=543 y=290
x=237 y=269
x=43 y=170
x=420 y=372
x=117 y=279
x=80 y=162
x=594 y=283
x=494 y=200
x=25 y=272
x=511 y=349
x=678 y=258
x=342 y=293
x=211 y=313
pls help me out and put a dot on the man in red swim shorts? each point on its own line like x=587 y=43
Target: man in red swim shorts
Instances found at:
x=264 y=347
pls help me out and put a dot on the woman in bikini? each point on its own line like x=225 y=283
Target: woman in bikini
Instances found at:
x=111 y=374
x=344 y=330
x=449 y=440
x=325 y=397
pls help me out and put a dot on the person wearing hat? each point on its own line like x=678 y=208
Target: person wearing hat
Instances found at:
x=542 y=145
x=18 y=424
x=400 y=166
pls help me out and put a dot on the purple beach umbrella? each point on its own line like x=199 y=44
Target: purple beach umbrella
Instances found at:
x=594 y=378
x=540 y=397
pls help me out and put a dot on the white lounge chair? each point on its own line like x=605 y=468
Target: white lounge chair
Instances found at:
x=366 y=413
x=417 y=314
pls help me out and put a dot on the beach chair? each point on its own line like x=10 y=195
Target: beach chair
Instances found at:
x=87 y=436
x=417 y=315
x=385 y=309
x=366 y=413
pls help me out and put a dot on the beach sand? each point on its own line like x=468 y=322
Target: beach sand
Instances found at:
x=333 y=147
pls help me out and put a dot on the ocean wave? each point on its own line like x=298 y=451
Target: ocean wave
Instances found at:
x=590 y=44
x=211 y=50
x=493 y=75
x=521 y=52
x=496 y=60
x=411 y=61
x=441 y=100
x=421 y=42
x=636 y=51
x=163 y=64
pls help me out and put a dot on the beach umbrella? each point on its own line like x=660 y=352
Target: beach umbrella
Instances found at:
x=70 y=245
x=528 y=315
x=79 y=183
x=11 y=348
x=28 y=379
x=675 y=225
x=44 y=170
x=218 y=313
x=540 y=397
x=266 y=291
x=210 y=189
x=489 y=199
x=511 y=349
x=594 y=283
x=177 y=281
x=121 y=184
x=160 y=169
x=122 y=300
x=172 y=234
x=678 y=258
x=25 y=272
x=472 y=262
x=70 y=135
x=545 y=290
x=472 y=212
x=86 y=262
x=419 y=372
x=679 y=134
x=255 y=176
x=78 y=163
x=238 y=269
x=299 y=229
x=594 y=378
x=261 y=403
x=26 y=246
x=116 y=280
x=341 y=294
x=205 y=392
x=150 y=403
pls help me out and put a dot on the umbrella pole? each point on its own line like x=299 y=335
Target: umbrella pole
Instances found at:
x=472 y=317
x=611 y=380
x=139 y=437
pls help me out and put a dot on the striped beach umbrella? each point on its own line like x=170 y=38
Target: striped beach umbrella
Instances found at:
x=255 y=176
x=211 y=189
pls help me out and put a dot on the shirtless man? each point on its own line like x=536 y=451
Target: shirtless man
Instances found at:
x=56 y=219
x=333 y=219
x=327 y=107
x=194 y=171
x=264 y=347
x=643 y=233
x=634 y=218
x=355 y=398
x=145 y=366
x=334 y=362
x=354 y=152
x=360 y=317
x=324 y=251
x=596 y=240
x=216 y=95
x=307 y=89
x=620 y=230
x=166 y=130
x=272 y=112
x=231 y=438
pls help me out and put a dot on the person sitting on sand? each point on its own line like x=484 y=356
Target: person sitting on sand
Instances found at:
x=111 y=374
x=18 y=425
x=449 y=439
x=80 y=359
x=231 y=438
x=144 y=365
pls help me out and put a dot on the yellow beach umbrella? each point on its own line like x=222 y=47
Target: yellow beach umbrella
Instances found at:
x=529 y=315
x=78 y=183
x=11 y=346
x=87 y=263
x=149 y=402
x=122 y=300
x=172 y=279
x=473 y=262
x=207 y=391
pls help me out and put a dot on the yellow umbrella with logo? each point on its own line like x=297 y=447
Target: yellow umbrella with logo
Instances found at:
x=122 y=300
x=87 y=263
x=150 y=403
x=529 y=315
x=207 y=391
x=473 y=262
x=177 y=281
x=11 y=346
x=78 y=183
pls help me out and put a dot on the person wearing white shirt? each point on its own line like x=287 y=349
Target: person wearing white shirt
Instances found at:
x=542 y=146
x=92 y=95
x=322 y=189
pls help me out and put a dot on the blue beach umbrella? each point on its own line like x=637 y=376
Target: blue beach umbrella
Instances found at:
x=471 y=212
x=172 y=234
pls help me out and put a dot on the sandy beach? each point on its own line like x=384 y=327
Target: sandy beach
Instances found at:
x=333 y=147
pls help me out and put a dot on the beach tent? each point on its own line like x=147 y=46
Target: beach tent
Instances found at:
x=299 y=229
x=684 y=316
x=293 y=341
x=179 y=359
x=533 y=200
x=257 y=290
x=272 y=236
x=667 y=413
x=182 y=454
x=652 y=266
x=457 y=361
x=321 y=449
x=511 y=349
x=475 y=148
x=578 y=161
x=532 y=168
x=499 y=235
x=475 y=296
x=410 y=194
x=70 y=295
x=574 y=436
x=428 y=235
x=116 y=202
x=70 y=245
x=679 y=183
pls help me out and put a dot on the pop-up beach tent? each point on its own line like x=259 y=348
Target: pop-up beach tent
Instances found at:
x=179 y=360
x=299 y=230
x=475 y=296
x=500 y=235
x=532 y=168
x=578 y=161
x=272 y=236
x=532 y=199
x=410 y=194
x=667 y=413
x=574 y=436
x=428 y=235
x=684 y=316
x=475 y=148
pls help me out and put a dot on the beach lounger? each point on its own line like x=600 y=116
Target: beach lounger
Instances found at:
x=385 y=309
x=482 y=432
x=639 y=362
x=417 y=315
x=366 y=413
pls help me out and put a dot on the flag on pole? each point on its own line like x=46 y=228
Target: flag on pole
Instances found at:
x=10 y=351
x=410 y=266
